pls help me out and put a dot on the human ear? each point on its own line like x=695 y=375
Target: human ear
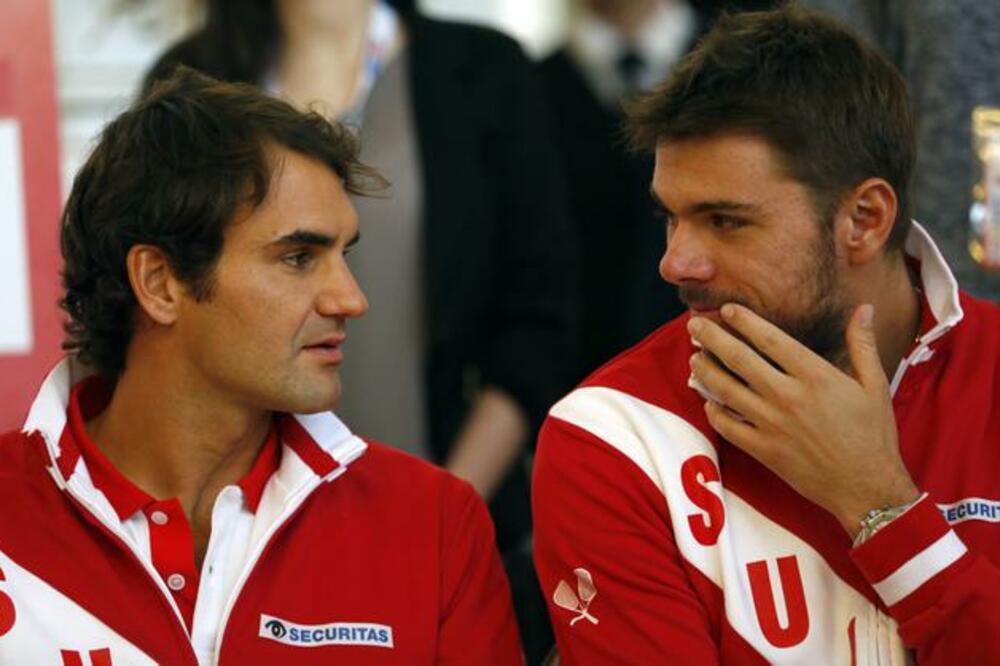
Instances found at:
x=865 y=219
x=154 y=284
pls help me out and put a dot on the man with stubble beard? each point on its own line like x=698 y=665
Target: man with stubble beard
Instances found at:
x=803 y=468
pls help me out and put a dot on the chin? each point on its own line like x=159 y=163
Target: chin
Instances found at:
x=324 y=403
x=319 y=396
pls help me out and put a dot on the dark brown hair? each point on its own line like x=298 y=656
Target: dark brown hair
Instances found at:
x=835 y=110
x=172 y=171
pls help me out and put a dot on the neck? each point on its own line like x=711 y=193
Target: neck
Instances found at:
x=321 y=57
x=897 y=313
x=173 y=438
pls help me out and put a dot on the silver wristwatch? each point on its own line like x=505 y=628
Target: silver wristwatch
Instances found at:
x=876 y=519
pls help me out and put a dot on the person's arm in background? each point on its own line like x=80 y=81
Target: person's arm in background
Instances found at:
x=490 y=441
x=526 y=359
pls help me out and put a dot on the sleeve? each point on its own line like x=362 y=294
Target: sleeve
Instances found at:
x=477 y=624
x=945 y=598
x=606 y=559
x=531 y=338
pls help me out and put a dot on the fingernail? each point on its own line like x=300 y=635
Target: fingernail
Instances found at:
x=728 y=310
x=694 y=325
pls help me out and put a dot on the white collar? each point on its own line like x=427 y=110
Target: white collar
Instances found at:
x=662 y=40
x=47 y=416
x=937 y=281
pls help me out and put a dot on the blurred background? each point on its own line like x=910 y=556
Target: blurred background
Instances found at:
x=104 y=47
x=91 y=56
x=67 y=67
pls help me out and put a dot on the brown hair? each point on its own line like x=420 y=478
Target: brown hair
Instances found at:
x=833 y=107
x=172 y=171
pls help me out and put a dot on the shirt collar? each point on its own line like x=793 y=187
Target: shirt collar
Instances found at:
x=938 y=284
x=86 y=400
x=90 y=397
x=321 y=444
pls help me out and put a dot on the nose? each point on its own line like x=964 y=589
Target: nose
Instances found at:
x=342 y=296
x=687 y=257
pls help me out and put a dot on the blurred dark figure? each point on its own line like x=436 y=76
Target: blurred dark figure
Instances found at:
x=468 y=264
x=949 y=53
x=615 y=48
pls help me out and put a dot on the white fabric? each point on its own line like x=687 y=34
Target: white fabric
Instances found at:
x=941 y=289
x=931 y=561
x=660 y=443
x=44 y=607
x=238 y=536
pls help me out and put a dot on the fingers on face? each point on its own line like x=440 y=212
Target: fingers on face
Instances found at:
x=737 y=356
x=727 y=388
x=773 y=342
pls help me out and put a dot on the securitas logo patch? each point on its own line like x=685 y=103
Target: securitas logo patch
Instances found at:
x=971 y=508
x=318 y=635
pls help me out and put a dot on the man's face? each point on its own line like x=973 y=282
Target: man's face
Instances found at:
x=270 y=336
x=740 y=230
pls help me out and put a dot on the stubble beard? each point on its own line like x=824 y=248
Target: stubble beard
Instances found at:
x=821 y=327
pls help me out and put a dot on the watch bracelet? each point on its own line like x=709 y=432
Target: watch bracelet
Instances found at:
x=876 y=519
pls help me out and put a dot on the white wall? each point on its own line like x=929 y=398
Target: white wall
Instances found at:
x=538 y=24
x=100 y=59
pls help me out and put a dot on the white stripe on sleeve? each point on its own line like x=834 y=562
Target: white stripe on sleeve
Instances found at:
x=921 y=568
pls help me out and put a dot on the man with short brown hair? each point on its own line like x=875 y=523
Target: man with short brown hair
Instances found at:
x=804 y=468
x=180 y=492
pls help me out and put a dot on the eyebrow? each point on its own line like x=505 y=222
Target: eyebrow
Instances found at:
x=723 y=205
x=711 y=206
x=311 y=238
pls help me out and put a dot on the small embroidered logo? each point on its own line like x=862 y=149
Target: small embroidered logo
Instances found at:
x=579 y=601
x=318 y=635
x=276 y=628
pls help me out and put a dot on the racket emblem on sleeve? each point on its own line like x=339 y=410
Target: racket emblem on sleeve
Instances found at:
x=579 y=601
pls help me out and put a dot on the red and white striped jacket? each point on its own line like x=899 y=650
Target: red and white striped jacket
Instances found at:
x=345 y=553
x=658 y=542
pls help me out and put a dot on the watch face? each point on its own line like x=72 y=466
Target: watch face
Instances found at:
x=879 y=518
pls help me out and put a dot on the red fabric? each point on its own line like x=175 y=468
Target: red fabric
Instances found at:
x=171 y=544
x=88 y=399
x=296 y=437
x=597 y=509
x=59 y=541
x=955 y=617
x=172 y=548
x=392 y=541
x=97 y=658
x=71 y=658
x=267 y=463
x=896 y=543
